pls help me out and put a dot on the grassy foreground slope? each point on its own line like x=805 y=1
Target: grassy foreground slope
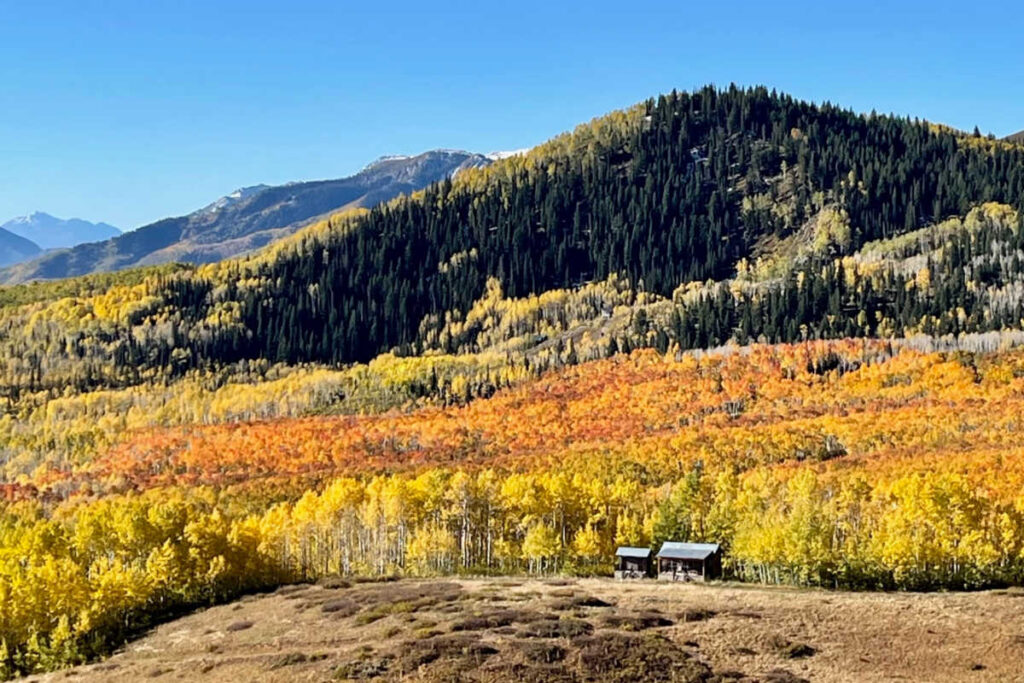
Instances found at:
x=536 y=631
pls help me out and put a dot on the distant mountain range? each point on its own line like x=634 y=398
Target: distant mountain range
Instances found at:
x=14 y=248
x=26 y=237
x=248 y=218
x=1016 y=137
x=50 y=232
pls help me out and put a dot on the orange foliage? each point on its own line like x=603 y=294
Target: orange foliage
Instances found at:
x=845 y=404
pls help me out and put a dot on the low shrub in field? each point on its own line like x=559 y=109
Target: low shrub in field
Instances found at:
x=695 y=615
x=626 y=658
x=342 y=607
x=365 y=667
x=791 y=650
x=541 y=652
x=561 y=628
x=636 y=622
x=576 y=602
x=417 y=653
x=497 y=619
x=293 y=658
x=239 y=626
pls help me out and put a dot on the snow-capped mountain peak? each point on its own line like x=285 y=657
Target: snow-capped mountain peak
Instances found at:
x=498 y=156
x=34 y=217
x=238 y=195
x=50 y=232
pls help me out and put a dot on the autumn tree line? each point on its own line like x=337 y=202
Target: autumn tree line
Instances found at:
x=75 y=585
x=853 y=464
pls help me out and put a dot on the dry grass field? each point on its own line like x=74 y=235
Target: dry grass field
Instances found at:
x=579 y=630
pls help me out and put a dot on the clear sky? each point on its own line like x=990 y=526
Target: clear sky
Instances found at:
x=128 y=111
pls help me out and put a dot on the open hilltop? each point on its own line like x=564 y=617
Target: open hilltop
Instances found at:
x=537 y=630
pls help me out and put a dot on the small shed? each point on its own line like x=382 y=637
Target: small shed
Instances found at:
x=689 y=561
x=632 y=563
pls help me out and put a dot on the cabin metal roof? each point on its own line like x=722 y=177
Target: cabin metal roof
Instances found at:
x=673 y=550
x=628 y=551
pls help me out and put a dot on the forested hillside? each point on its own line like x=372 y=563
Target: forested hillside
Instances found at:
x=678 y=191
x=615 y=338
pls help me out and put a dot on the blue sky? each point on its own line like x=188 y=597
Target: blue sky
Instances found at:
x=129 y=111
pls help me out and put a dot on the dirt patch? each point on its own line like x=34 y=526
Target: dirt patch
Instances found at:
x=744 y=615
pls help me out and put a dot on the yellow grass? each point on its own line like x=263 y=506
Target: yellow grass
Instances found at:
x=486 y=630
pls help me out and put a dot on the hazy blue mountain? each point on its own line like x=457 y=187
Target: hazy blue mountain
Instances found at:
x=14 y=248
x=248 y=218
x=50 y=232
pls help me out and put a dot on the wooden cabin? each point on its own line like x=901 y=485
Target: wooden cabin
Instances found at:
x=689 y=561
x=632 y=563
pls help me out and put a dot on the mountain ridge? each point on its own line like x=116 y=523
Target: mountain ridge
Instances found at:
x=735 y=210
x=14 y=248
x=51 y=232
x=248 y=218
